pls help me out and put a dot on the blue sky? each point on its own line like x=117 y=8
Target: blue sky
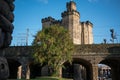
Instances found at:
x=104 y=14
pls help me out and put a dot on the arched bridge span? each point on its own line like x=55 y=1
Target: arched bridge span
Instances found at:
x=87 y=55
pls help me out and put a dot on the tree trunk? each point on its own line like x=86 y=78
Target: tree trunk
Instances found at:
x=60 y=72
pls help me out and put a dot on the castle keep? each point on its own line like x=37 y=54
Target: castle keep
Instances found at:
x=81 y=32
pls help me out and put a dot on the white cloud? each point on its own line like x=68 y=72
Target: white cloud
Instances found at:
x=44 y=1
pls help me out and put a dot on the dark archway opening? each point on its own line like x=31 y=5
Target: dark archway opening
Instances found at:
x=13 y=68
x=79 y=70
x=35 y=70
x=38 y=70
x=68 y=70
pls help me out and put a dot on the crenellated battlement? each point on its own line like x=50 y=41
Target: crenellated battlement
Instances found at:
x=47 y=19
x=87 y=23
x=73 y=12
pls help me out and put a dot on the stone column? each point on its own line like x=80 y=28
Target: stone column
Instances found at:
x=28 y=72
x=95 y=72
x=19 y=73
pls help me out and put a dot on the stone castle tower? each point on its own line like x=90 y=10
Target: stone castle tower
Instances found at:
x=81 y=32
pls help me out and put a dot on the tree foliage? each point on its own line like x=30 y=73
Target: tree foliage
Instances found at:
x=53 y=46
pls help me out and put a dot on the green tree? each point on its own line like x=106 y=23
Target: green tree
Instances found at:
x=53 y=46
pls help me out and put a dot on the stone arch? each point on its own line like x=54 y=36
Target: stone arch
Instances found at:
x=114 y=64
x=82 y=65
x=13 y=68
